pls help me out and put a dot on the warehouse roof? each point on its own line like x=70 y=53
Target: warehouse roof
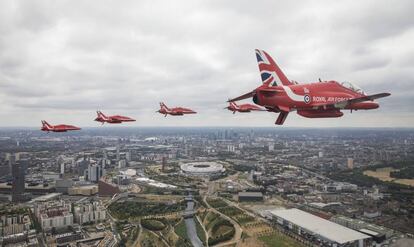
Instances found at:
x=319 y=226
x=251 y=194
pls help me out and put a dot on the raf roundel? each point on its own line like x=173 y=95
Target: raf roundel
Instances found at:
x=306 y=98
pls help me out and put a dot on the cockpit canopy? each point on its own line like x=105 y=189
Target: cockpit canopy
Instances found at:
x=353 y=87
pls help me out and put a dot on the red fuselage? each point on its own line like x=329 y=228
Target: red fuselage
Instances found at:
x=59 y=128
x=314 y=100
x=243 y=107
x=176 y=111
x=309 y=100
x=116 y=119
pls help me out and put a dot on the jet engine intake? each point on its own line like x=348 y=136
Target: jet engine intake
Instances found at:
x=256 y=99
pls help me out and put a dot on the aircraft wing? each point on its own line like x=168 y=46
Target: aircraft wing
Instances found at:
x=244 y=96
x=251 y=94
x=271 y=90
x=120 y=118
x=344 y=103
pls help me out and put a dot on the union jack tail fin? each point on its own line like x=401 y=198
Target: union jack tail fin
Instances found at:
x=163 y=106
x=270 y=73
x=233 y=104
x=100 y=114
x=46 y=125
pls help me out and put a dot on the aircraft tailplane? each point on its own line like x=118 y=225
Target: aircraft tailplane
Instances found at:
x=270 y=73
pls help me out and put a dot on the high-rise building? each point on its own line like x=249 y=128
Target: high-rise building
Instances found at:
x=94 y=172
x=118 y=155
x=104 y=162
x=82 y=165
x=62 y=169
x=164 y=163
x=105 y=155
x=320 y=154
x=89 y=212
x=11 y=224
x=350 y=163
x=128 y=156
x=54 y=214
x=121 y=164
x=271 y=147
x=18 y=169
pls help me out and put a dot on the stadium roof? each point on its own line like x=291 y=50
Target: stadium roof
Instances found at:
x=324 y=228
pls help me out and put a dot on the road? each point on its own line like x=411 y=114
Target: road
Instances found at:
x=137 y=242
x=204 y=229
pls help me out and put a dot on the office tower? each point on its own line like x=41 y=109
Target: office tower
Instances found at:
x=18 y=169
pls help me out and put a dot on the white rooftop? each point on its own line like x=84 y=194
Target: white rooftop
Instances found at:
x=46 y=197
x=324 y=228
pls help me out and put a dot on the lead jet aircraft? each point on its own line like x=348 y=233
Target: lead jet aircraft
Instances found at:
x=323 y=99
x=116 y=119
x=57 y=128
x=243 y=107
x=176 y=111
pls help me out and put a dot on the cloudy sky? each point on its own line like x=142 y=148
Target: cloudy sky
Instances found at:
x=63 y=60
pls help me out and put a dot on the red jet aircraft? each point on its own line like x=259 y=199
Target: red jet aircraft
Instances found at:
x=176 y=111
x=116 y=119
x=243 y=107
x=323 y=99
x=57 y=128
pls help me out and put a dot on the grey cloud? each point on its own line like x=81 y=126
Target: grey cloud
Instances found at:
x=65 y=56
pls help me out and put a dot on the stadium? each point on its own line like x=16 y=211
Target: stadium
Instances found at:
x=209 y=169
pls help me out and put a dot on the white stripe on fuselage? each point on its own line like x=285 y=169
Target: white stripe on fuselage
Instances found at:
x=292 y=95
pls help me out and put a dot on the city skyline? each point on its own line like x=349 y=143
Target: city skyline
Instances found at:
x=206 y=123
x=125 y=185
x=123 y=59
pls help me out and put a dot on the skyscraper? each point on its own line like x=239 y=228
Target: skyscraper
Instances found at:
x=18 y=169
x=62 y=169
x=164 y=163
x=118 y=155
